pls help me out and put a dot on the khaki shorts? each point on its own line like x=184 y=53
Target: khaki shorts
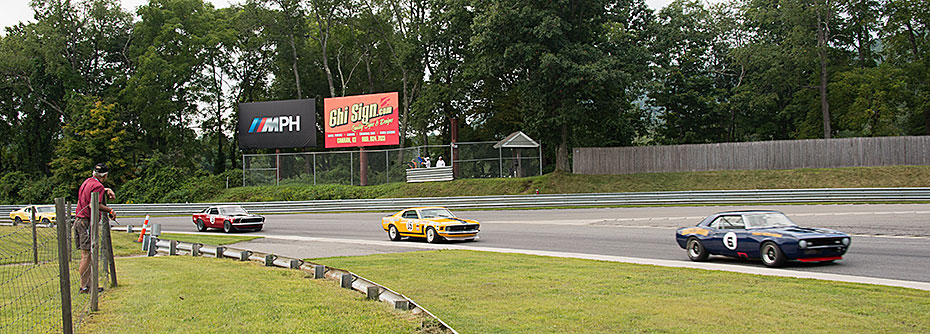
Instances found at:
x=81 y=231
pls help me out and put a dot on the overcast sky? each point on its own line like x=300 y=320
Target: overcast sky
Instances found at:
x=15 y=11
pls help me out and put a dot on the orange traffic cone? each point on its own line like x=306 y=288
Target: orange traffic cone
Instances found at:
x=144 y=226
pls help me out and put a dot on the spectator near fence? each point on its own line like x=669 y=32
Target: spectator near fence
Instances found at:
x=81 y=228
x=440 y=162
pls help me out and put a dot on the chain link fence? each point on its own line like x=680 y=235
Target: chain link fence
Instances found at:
x=34 y=288
x=475 y=160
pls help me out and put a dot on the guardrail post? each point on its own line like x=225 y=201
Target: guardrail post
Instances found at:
x=294 y=264
x=129 y=229
x=269 y=260
x=373 y=292
x=402 y=305
x=64 y=258
x=145 y=242
x=153 y=246
x=219 y=252
x=195 y=249
x=319 y=271
x=346 y=281
x=244 y=255
x=172 y=247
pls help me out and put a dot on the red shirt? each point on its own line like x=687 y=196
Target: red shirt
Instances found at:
x=91 y=185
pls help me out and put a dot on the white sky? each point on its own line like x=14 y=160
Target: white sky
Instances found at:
x=16 y=11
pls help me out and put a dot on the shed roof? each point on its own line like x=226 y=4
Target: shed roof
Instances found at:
x=517 y=140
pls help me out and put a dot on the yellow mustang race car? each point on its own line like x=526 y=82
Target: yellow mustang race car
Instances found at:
x=432 y=223
x=45 y=214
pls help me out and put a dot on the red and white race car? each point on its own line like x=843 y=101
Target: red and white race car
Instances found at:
x=229 y=218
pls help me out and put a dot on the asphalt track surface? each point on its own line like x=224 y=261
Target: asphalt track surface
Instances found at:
x=890 y=241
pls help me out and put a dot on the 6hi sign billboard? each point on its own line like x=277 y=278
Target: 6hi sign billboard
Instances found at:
x=361 y=120
x=277 y=124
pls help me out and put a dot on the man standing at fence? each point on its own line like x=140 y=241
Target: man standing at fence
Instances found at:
x=81 y=228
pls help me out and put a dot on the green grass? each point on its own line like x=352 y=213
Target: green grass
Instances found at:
x=562 y=183
x=204 y=295
x=479 y=292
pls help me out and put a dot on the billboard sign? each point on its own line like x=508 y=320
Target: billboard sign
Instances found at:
x=277 y=124
x=361 y=120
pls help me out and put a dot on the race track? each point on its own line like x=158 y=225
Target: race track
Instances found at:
x=890 y=241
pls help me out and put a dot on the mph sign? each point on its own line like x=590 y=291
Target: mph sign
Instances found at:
x=277 y=124
x=361 y=120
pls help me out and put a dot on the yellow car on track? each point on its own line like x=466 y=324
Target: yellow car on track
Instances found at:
x=45 y=214
x=433 y=223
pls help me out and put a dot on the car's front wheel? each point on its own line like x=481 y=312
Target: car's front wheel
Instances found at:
x=431 y=236
x=696 y=251
x=227 y=227
x=772 y=256
x=393 y=234
x=18 y=221
x=200 y=226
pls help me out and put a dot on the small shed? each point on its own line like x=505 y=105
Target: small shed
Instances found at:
x=516 y=142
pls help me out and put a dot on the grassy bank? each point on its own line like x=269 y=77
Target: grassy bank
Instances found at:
x=561 y=183
x=478 y=292
x=205 y=295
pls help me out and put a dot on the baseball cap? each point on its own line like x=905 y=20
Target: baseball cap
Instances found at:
x=101 y=168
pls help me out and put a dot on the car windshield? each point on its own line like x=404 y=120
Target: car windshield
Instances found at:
x=233 y=210
x=767 y=219
x=436 y=213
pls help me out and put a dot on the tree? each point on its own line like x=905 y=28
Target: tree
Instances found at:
x=558 y=58
x=95 y=134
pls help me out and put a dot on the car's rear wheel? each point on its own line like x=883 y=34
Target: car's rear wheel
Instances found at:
x=200 y=226
x=696 y=250
x=772 y=256
x=393 y=234
x=227 y=227
x=18 y=221
x=431 y=236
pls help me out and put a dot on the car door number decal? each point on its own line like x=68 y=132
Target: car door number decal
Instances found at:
x=409 y=226
x=729 y=240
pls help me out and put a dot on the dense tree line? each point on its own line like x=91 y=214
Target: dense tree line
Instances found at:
x=154 y=91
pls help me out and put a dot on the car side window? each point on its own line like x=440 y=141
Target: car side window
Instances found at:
x=716 y=223
x=732 y=222
x=214 y=211
x=410 y=214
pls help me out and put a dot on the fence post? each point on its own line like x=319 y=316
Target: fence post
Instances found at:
x=94 y=250
x=351 y=170
x=540 y=158
x=35 y=244
x=387 y=167
x=314 y=168
x=64 y=257
x=500 y=160
x=243 y=170
x=109 y=258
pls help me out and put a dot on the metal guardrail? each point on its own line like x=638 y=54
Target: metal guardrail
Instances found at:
x=835 y=195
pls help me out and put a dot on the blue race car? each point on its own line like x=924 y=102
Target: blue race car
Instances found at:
x=766 y=235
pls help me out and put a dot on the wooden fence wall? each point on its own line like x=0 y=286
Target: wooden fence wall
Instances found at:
x=782 y=154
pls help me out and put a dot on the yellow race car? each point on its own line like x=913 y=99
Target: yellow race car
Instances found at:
x=433 y=223
x=45 y=214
